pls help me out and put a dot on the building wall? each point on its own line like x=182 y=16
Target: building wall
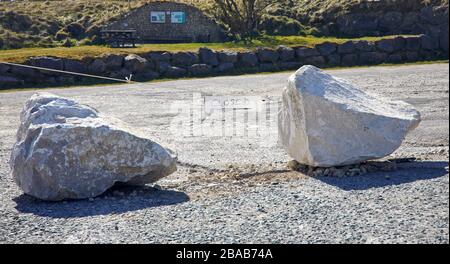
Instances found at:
x=197 y=27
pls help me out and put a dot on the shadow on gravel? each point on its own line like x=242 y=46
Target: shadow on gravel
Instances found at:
x=407 y=173
x=117 y=200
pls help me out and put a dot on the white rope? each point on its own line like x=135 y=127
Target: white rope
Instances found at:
x=126 y=80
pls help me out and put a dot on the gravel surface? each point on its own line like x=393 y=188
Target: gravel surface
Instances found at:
x=239 y=189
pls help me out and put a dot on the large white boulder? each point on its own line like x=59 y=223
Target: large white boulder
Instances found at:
x=326 y=121
x=66 y=150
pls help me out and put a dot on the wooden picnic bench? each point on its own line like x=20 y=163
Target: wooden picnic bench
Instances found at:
x=120 y=38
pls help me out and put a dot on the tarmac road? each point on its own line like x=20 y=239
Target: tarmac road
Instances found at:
x=232 y=184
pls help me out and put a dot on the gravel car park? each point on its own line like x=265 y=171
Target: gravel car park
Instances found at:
x=238 y=188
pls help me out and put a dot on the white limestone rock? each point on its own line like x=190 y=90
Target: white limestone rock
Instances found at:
x=65 y=150
x=326 y=121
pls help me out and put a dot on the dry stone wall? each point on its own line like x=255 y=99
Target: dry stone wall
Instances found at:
x=382 y=18
x=206 y=62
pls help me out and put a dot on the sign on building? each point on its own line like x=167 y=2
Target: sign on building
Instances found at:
x=158 y=17
x=178 y=17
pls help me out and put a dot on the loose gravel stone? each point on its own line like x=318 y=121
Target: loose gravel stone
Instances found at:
x=406 y=204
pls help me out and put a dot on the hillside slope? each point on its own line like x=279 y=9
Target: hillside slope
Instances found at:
x=53 y=23
x=353 y=18
x=73 y=22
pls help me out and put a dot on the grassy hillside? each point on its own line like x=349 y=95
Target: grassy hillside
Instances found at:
x=314 y=14
x=308 y=11
x=53 y=23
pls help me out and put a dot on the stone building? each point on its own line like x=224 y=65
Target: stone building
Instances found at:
x=170 y=22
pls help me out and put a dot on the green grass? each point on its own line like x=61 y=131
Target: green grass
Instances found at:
x=21 y=55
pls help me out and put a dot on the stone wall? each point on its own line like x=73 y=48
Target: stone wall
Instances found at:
x=197 y=27
x=205 y=62
x=386 y=17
